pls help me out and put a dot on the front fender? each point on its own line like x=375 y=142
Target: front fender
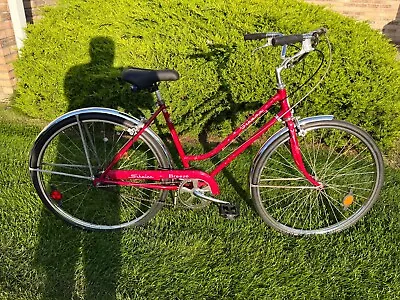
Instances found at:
x=108 y=111
x=279 y=134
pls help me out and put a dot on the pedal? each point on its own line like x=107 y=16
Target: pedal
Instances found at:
x=229 y=211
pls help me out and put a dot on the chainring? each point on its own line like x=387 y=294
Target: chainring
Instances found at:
x=186 y=197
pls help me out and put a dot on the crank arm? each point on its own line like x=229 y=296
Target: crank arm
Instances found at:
x=202 y=196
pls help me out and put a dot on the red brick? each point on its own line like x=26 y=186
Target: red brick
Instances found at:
x=7 y=75
x=9 y=58
x=355 y=4
x=8 y=50
x=6 y=67
x=7 y=42
x=5 y=16
x=6 y=33
x=8 y=90
x=7 y=83
x=3 y=53
x=6 y=25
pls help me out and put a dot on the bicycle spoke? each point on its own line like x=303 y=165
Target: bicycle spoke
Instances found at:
x=346 y=192
x=353 y=185
x=341 y=154
x=112 y=151
x=280 y=196
x=332 y=200
x=297 y=209
x=296 y=200
x=333 y=176
x=91 y=145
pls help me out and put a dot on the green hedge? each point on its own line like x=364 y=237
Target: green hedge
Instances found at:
x=222 y=80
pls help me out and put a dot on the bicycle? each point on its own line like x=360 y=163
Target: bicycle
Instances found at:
x=315 y=175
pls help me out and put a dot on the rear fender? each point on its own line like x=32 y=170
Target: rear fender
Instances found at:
x=107 y=111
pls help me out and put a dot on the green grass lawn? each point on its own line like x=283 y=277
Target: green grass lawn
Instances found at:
x=184 y=254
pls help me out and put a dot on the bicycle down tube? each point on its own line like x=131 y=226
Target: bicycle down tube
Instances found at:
x=120 y=177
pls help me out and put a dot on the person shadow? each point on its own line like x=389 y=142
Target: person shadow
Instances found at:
x=77 y=263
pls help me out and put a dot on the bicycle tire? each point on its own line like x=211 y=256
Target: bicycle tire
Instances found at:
x=61 y=149
x=292 y=205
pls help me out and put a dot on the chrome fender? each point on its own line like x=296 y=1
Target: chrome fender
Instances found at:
x=109 y=111
x=279 y=134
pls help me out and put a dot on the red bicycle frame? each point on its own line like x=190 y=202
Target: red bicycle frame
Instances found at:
x=131 y=177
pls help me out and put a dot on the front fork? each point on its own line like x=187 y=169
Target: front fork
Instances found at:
x=294 y=130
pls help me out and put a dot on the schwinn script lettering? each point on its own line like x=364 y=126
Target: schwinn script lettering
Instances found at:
x=251 y=120
x=136 y=176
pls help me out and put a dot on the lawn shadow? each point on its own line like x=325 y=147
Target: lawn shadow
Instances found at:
x=76 y=263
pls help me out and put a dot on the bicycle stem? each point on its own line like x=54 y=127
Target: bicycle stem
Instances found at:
x=291 y=61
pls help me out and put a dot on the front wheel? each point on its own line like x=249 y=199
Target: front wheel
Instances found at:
x=341 y=156
x=70 y=154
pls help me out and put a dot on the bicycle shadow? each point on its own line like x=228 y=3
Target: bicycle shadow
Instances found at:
x=75 y=263
x=220 y=55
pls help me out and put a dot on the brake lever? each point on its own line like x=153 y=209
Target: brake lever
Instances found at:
x=267 y=44
x=270 y=36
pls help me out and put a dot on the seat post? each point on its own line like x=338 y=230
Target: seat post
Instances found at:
x=160 y=100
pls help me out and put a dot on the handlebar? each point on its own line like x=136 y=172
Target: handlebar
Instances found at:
x=278 y=39
x=287 y=40
x=261 y=36
x=308 y=40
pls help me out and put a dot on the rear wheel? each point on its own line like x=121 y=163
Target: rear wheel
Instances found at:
x=341 y=156
x=72 y=152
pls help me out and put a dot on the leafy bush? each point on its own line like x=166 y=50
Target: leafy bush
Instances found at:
x=69 y=60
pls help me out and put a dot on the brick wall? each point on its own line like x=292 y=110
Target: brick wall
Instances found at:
x=383 y=15
x=32 y=8
x=8 y=52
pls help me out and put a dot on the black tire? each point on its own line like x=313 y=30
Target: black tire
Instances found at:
x=60 y=149
x=341 y=156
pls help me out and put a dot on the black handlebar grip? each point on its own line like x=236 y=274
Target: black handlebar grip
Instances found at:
x=255 y=36
x=287 y=40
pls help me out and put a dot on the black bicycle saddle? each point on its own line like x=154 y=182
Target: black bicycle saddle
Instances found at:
x=146 y=78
